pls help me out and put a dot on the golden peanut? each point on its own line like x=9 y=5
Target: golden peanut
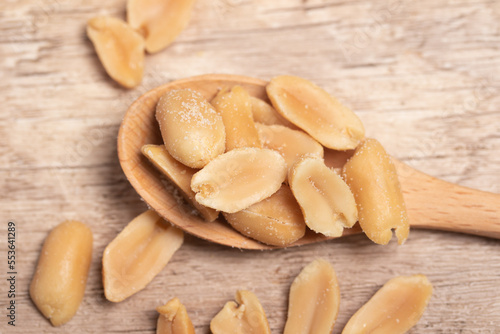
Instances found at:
x=394 y=309
x=192 y=130
x=373 y=179
x=138 y=254
x=315 y=111
x=120 y=49
x=239 y=178
x=264 y=113
x=178 y=173
x=159 y=21
x=325 y=199
x=236 y=111
x=291 y=144
x=276 y=220
x=314 y=300
x=173 y=319
x=58 y=285
x=246 y=318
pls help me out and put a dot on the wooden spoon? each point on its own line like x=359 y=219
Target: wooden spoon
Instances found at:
x=431 y=203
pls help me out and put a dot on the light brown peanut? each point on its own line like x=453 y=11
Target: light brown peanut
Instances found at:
x=159 y=21
x=174 y=319
x=138 y=254
x=58 y=285
x=178 y=173
x=325 y=199
x=235 y=108
x=120 y=49
x=276 y=220
x=373 y=179
x=246 y=318
x=394 y=309
x=192 y=130
x=264 y=113
x=314 y=300
x=315 y=111
x=239 y=178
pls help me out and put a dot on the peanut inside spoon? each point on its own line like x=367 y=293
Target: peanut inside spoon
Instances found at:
x=431 y=203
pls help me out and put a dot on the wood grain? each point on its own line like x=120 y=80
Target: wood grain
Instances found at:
x=423 y=77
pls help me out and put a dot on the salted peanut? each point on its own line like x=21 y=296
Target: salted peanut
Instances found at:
x=192 y=130
x=236 y=110
x=138 y=254
x=120 y=49
x=264 y=113
x=291 y=144
x=179 y=174
x=314 y=300
x=159 y=21
x=373 y=179
x=246 y=318
x=173 y=319
x=394 y=309
x=276 y=220
x=239 y=178
x=325 y=199
x=315 y=111
x=58 y=285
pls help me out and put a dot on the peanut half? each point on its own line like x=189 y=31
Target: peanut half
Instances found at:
x=276 y=220
x=138 y=254
x=315 y=111
x=239 y=178
x=120 y=49
x=192 y=130
x=373 y=179
x=58 y=285
x=264 y=113
x=314 y=300
x=159 y=21
x=394 y=309
x=236 y=111
x=173 y=319
x=246 y=318
x=325 y=199
x=179 y=174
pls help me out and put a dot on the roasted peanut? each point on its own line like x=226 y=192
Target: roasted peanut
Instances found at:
x=236 y=111
x=174 y=319
x=246 y=318
x=315 y=111
x=159 y=21
x=395 y=308
x=58 y=285
x=325 y=199
x=291 y=144
x=314 y=300
x=239 y=178
x=276 y=220
x=264 y=113
x=192 y=130
x=180 y=174
x=373 y=179
x=138 y=254
x=120 y=49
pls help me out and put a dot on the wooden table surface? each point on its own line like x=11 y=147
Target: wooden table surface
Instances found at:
x=422 y=75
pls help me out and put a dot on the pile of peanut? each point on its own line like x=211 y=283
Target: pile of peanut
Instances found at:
x=262 y=166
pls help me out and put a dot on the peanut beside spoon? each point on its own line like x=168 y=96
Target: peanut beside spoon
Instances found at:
x=431 y=203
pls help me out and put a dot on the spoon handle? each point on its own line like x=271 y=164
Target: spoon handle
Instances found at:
x=440 y=205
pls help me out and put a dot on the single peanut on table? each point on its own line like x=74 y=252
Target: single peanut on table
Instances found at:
x=138 y=254
x=193 y=132
x=314 y=300
x=58 y=285
x=264 y=113
x=246 y=316
x=120 y=49
x=373 y=179
x=394 y=309
x=173 y=319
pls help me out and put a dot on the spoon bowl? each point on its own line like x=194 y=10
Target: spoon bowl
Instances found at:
x=431 y=203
